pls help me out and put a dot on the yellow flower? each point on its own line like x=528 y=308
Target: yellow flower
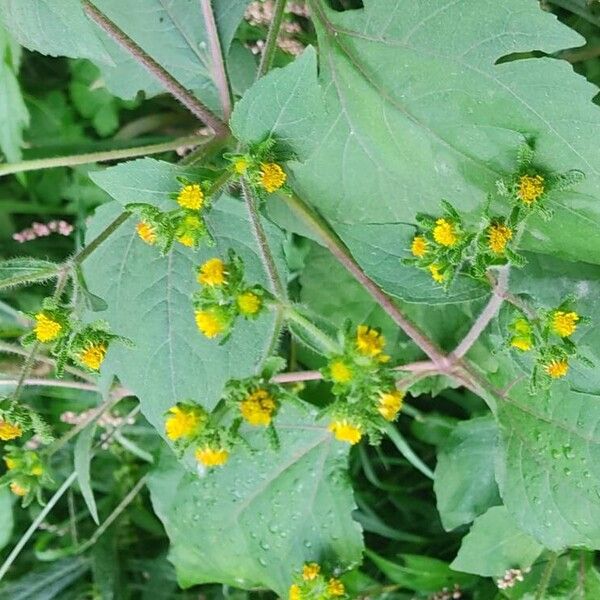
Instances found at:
x=530 y=188
x=557 y=368
x=390 y=404
x=212 y=457
x=93 y=356
x=186 y=239
x=240 y=165
x=335 y=588
x=444 y=233
x=436 y=273
x=212 y=273
x=183 y=422
x=11 y=463
x=369 y=341
x=522 y=326
x=564 y=324
x=258 y=408
x=310 y=571
x=210 y=322
x=187 y=233
x=419 y=246
x=345 y=431
x=498 y=237
x=191 y=197
x=9 y=431
x=146 y=232
x=18 y=490
x=37 y=470
x=295 y=593
x=340 y=372
x=249 y=303
x=272 y=176
x=522 y=342
x=46 y=329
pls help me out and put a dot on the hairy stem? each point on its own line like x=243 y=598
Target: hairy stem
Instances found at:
x=487 y=314
x=217 y=63
x=100 y=238
x=93 y=157
x=342 y=254
x=271 y=45
x=260 y=236
x=57 y=383
x=328 y=345
x=297 y=376
x=546 y=576
x=164 y=77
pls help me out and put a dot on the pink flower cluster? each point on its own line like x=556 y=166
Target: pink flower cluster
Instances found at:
x=38 y=230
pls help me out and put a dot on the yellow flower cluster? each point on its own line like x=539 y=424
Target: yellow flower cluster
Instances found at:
x=530 y=188
x=146 y=232
x=498 y=237
x=212 y=273
x=9 y=431
x=249 y=303
x=444 y=233
x=211 y=456
x=93 y=356
x=564 y=323
x=211 y=322
x=371 y=342
x=346 y=431
x=184 y=421
x=191 y=197
x=557 y=368
x=312 y=583
x=258 y=408
x=272 y=176
x=46 y=328
x=340 y=372
x=523 y=335
x=390 y=404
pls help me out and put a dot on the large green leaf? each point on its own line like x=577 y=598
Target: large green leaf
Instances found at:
x=464 y=483
x=172 y=32
x=13 y=112
x=256 y=520
x=149 y=296
x=6 y=517
x=494 y=545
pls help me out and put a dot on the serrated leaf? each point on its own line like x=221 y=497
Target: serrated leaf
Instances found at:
x=464 y=483
x=256 y=520
x=149 y=296
x=25 y=270
x=82 y=457
x=494 y=545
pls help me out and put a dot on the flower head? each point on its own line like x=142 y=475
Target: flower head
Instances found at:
x=11 y=463
x=436 y=273
x=444 y=233
x=564 y=323
x=240 y=165
x=339 y=371
x=184 y=421
x=419 y=246
x=498 y=237
x=211 y=457
x=335 y=588
x=212 y=273
x=189 y=230
x=310 y=571
x=249 y=303
x=344 y=431
x=295 y=593
x=210 y=322
x=18 y=490
x=557 y=368
x=146 y=232
x=9 y=431
x=522 y=342
x=390 y=404
x=258 y=408
x=191 y=197
x=272 y=176
x=369 y=342
x=530 y=188
x=93 y=356
x=46 y=329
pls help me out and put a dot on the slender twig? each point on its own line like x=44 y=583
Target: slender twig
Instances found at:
x=94 y=157
x=546 y=575
x=487 y=314
x=342 y=254
x=260 y=236
x=101 y=237
x=164 y=77
x=217 y=63
x=36 y=523
x=125 y=502
x=57 y=383
x=271 y=44
x=297 y=376
x=13 y=349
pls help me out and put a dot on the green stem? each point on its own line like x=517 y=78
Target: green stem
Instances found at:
x=328 y=345
x=110 y=229
x=546 y=575
x=271 y=45
x=93 y=157
x=260 y=236
x=164 y=77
